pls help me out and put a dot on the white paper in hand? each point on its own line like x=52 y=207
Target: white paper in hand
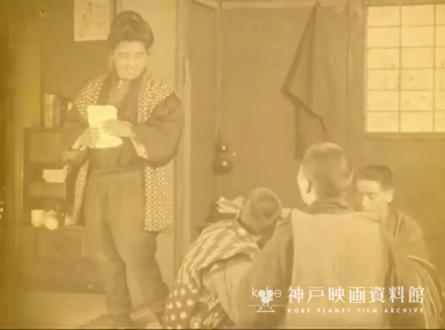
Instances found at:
x=97 y=116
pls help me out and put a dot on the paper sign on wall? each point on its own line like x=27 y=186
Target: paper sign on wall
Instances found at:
x=92 y=19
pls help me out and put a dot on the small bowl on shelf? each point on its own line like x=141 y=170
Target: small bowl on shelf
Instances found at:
x=55 y=176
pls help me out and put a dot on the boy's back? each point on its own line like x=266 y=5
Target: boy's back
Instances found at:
x=341 y=262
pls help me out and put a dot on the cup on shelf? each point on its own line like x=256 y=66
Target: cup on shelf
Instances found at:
x=55 y=176
x=37 y=218
x=69 y=220
x=50 y=220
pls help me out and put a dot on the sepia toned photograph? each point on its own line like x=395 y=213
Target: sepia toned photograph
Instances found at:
x=222 y=164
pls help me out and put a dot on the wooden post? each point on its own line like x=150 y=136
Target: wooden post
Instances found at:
x=218 y=105
x=269 y=4
x=182 y=178
x=356 y=75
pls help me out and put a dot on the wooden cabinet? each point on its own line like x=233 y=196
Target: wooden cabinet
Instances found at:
x=57 y=261
x=42 y=150
x=51 y=260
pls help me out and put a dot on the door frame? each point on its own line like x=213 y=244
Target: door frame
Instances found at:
x=354 y=124
x=182 y=230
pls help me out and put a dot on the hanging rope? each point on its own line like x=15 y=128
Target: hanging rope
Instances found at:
x=222 y=163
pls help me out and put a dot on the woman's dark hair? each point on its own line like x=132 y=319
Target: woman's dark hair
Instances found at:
x=130 y=26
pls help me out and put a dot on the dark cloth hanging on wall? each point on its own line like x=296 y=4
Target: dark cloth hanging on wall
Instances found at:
x=315 y=76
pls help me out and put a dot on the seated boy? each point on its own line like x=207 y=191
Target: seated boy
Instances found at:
x=375 y=193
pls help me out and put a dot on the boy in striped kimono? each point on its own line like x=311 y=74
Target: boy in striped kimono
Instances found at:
x=204 y=292
x=375 y=192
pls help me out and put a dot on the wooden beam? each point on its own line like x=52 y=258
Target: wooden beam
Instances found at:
x=219 y=105
x=356 y=88
x=208 y=3
x=402 y=2
x=11 y=17
x=279 y=4
x=405 y=136
x=271 y=4
x=117 y=7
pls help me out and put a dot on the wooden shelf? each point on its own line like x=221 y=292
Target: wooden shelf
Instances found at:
x=57 y=260
x=42 y=189
x=51 y=260
x=67 y=242
x=402 y=2
x=270 y=4
x=64 y=228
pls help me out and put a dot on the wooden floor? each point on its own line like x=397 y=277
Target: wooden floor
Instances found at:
x=58 y=310
x=70 y=311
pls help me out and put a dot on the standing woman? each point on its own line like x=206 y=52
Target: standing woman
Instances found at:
x=124 y=193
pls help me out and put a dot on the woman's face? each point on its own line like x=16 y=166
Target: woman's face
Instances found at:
x=130 y=59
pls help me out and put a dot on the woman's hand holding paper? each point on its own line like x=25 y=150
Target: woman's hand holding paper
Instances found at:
x=118 y=128
x=89 y=138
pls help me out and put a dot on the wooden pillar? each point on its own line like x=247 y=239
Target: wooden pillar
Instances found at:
x=22 y=110
x=356 y=75
x=183 y=225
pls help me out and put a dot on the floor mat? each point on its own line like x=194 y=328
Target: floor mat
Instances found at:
x=142 y=318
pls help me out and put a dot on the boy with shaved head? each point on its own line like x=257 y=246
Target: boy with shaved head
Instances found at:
x=327 y=267
x=330 y=246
